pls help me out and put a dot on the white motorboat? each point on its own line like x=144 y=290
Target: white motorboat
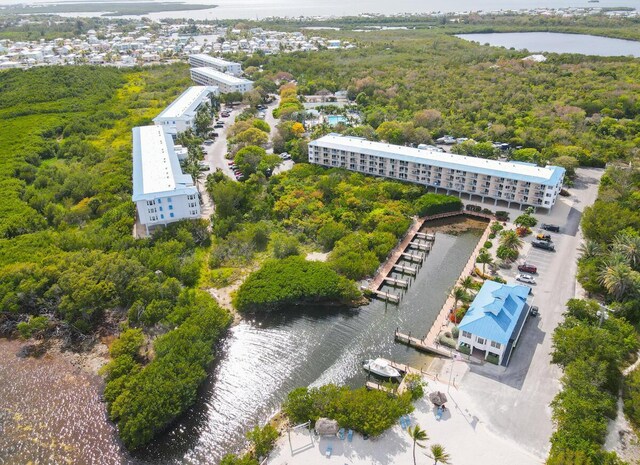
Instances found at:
x=381 y=368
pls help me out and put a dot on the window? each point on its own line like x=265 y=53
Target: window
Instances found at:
x=495 y=344
x=150 y=202
x=169 y=199
x=171 y=215
x=160 y=208
x=162 y=217
x=170 y=207
x=466 y=334
x=159 y=200
x=480 y=340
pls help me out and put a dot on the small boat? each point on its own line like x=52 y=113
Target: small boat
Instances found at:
x=381 y=368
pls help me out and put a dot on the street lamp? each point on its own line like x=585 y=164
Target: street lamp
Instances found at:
x=603 y=313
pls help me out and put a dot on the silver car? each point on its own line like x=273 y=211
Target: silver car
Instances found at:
x=526 y=278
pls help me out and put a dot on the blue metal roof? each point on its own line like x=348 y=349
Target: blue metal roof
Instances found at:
x=495 y=311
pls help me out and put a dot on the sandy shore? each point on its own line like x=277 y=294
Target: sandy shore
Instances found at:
x=461 y=431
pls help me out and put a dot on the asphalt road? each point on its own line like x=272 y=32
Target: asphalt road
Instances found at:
x=513 y=402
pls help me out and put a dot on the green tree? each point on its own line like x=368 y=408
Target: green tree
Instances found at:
x=484 y=257
x=439 y=455
x=202 y=120
x=620 y=281
x=510 y=240
x=249 y=158
x=459 y=295
x=262 y=440
x=526 y=221
x=418 y=435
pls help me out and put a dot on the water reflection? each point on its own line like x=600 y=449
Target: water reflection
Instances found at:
x=262 y=360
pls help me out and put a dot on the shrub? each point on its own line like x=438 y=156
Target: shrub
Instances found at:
x=368 y=412
x=493 y=358
x=487 y=245
x=464 y=349
x=293 y=280
x=262 y=440
x=433 y=204
x=455 y=332
x=492 y=235
x=414 y=385
x=502 y=215
x=447 y=341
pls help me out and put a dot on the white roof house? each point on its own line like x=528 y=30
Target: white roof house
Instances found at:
x=202 y=60
x=225 y=82
x=477 y=178
x=180 y=114
x=161 y=191
x=156 y=169
x=513 y=170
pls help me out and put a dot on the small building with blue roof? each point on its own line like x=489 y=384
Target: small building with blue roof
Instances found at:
x=495 y=318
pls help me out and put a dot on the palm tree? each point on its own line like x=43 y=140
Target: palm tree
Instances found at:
x=485 y=258
x=466 y=283
x=459 y=294
x=510 y=240
x=439 y=454
x=589 y=249
x=418 y=435
x=629 y=246
x=619 y=279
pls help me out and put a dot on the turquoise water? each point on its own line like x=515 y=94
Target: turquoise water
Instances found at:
x=335 y=119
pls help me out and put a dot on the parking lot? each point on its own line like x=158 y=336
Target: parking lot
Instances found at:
x=513 y=402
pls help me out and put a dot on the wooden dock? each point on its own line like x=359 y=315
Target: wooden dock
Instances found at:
x=420 y=246
x=372 y=386
x=412 y=257
x=426 y=236
x=405 y=269
x=387 y=296
x=421 y=344
x=397 y=282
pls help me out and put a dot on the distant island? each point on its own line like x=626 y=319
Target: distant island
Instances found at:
x=109 y=8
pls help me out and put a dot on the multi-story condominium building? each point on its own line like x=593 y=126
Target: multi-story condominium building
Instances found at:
x=206 y=61
x=524 y=184
x=161 y=191
x=225 y=82
x=180 y=115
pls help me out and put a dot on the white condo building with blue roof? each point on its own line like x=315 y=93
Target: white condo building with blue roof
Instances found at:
x=523 y=184
x=495 y=319
x=161 y=191
x=181 y=113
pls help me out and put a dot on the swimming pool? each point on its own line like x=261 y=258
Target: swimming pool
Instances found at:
x=335 y=119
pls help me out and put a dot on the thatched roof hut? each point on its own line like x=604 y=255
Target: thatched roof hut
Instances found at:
x=326 y=427
x=438 y=398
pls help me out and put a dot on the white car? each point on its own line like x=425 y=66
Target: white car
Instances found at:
x=526 y=278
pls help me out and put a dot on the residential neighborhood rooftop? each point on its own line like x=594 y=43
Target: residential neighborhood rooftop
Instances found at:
x=529 y=172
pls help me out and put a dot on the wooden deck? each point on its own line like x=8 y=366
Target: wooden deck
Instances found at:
x=422 y=345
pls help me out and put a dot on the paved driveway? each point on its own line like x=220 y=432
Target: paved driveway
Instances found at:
x=513 y=402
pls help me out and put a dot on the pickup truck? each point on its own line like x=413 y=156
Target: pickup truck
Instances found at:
x=550 y=227
x=543 y=245
x=527 y=268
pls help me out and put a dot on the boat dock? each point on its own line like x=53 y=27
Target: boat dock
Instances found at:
x=412 y=257
x=405 y=269
x=402 y=368
x=388 y=296
x=421 y=344
x=397 y=282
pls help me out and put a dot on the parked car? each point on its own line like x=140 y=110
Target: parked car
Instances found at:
x=534 y=311
x=550 y=227
x=526 y=278
x=218 y=125
x=527 y=268
x=208 y=142
x=214 y=134
x=448 y=140
x=285 y=156
x=543 y=245
x=543 y=237
x=204 y=166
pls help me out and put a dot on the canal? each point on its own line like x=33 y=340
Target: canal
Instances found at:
x=263 y=359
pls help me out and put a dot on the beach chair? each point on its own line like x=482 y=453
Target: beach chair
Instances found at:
x=439 y=413
x=350 y=435
x=328 y=452
x=341 y=434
